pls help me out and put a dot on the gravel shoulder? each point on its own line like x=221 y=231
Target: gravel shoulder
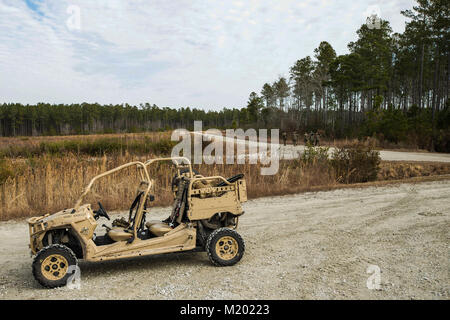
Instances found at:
x=316 y=245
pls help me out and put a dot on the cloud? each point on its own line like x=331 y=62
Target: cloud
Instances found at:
x=207 y=54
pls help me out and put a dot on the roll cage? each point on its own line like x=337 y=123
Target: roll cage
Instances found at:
x=146 y=185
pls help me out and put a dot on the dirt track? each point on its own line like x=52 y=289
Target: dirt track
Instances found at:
x=308 y=246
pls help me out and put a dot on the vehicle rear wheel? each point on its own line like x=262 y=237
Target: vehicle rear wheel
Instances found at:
x=51 y=265
x=225 y=247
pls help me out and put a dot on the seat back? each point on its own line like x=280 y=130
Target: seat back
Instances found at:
x=179 y=204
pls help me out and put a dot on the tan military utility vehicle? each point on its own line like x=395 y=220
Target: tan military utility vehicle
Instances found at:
x=204 y=215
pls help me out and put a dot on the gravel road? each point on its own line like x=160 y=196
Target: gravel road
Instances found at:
x=310 y=246
x=290 y=151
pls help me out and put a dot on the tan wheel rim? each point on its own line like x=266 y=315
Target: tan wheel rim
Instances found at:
x=54 y=267
x=227 y=248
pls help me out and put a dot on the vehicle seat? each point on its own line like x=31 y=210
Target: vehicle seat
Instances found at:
x=119 y=234
x=158 y=228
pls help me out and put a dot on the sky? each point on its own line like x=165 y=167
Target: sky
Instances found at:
x=179 y=53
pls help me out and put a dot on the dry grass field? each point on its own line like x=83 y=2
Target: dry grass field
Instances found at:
x=47 y=184
x=53 y=176
x=51 y=183
x=33 y=141
x=94 y=145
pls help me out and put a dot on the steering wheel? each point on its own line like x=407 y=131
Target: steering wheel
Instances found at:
x=101 y=212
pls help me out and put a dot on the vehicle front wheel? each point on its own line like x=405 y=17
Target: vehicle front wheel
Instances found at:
x=225 y=247
x=51 y=265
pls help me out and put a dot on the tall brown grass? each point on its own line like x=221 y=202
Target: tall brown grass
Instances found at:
x=48 y=184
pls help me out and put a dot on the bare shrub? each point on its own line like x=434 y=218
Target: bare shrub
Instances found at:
x=356 y=163
x=315 y=156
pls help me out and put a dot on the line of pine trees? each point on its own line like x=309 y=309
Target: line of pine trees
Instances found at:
x=394 y=86
x=87 y=118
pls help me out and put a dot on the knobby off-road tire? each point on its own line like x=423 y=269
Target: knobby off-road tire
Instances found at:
x=51 y=265
x=225 y=247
